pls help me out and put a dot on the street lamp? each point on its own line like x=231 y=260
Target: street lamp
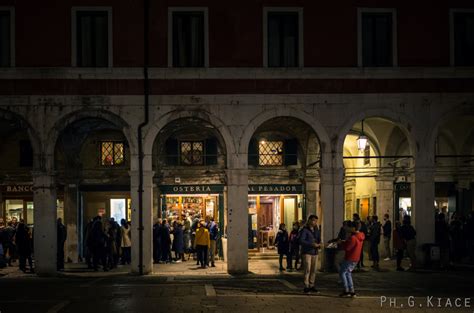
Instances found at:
x=362 y=141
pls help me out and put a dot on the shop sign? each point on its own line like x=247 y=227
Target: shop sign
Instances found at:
x=275 y=189
x=190 y=189
x=18 y=188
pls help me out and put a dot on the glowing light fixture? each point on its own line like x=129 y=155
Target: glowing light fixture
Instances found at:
x=362 y=141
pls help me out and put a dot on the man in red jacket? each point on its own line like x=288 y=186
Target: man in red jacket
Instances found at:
x=353 y=247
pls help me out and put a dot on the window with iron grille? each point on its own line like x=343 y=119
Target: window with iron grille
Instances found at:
x=464 y=38
x=92 y=39
x=270 y=153
x=192 y=153
x=5 y=40
x=112 y=153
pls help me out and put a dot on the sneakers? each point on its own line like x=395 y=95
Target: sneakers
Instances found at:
x=345 y=294
x=306 y=290
x=387 y=259
x=353 y=295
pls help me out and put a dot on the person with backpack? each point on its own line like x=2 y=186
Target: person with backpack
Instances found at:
x=353 y=248
x=310 y=241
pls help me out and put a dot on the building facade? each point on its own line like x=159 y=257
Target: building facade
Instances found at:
x=249 y=114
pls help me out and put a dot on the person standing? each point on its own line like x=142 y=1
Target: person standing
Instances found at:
x=283 y=244
x=387 y=236
x=213 y=235
x=99 y=243
x=352 y=247
x=294 y=246
x=364 y=230
x=126 y=243
x=157 y=241
x=24 y=245
x=202 y=243
x=165 y=242
x=310 y=241
x=61 y=239
x=399 y=245
x=442 y=239
x=409 y=237
x=178 y=241
x=374 y=232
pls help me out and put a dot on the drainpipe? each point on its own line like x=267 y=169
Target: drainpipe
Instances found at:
x=146 y=4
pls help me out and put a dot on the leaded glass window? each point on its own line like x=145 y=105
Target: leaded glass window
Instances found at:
x=270 y=153
x=112 y=153
x=192 y=152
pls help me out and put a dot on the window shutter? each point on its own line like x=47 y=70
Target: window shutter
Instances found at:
x=253 y=153
x=291 y=152
x=172 y=152
x=211 y=151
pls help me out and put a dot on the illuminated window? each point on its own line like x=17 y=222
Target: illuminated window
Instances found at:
x=112 y=153
x=192 y=152
x=270 y=153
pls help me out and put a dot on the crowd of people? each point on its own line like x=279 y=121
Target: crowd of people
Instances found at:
x=107 y=243
x=16 y=243
x=193 y=236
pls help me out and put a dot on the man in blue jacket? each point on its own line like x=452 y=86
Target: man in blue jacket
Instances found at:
x=310 y=241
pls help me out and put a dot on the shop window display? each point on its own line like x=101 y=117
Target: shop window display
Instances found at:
x=181 y=207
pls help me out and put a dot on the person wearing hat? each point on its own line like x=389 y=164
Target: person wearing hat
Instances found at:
x=310 y=241
x=202 y=243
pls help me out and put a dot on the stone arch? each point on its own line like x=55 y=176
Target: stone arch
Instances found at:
x=401 y=120
x=72 y=117
x=267 y=115
x=444 y=117
x=163 y=120
x=33 y=134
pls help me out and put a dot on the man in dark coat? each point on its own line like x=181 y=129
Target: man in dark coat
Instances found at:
x=61 y=239
x=165 y=242
x=178 y=242
x=99 y=244
x=374 y=237
x=24 y=245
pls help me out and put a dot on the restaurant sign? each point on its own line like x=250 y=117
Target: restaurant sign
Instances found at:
x=191 y=189
x=275 y=189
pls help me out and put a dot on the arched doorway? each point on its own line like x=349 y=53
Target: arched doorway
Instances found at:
x=92 y=158
x=189 y=160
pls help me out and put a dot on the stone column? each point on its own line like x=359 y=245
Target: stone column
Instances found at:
x=332 y=201
x=147 y=221
x=423 y=195
x=312 y=197
x=237 y=221
x=45 y=211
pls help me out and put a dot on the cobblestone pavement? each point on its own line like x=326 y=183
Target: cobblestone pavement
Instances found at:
x=183 y=288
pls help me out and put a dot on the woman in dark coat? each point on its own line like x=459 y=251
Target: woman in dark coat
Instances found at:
x=178 y=242
x=24 y=246
x=283 y=244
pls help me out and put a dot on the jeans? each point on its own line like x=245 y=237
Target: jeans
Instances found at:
x=310 y=262
x=212 y=251
x=288 y=260
x=202 y=254
x=345 y=273
x=374 y=251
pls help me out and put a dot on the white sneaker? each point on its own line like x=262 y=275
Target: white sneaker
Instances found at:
x=387 y=259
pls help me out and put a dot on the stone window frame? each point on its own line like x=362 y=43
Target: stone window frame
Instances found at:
x=298 y=10
x=452 y=11
x=74 y=11
x=205 y=11
x=393 y=11
x=11 y=10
